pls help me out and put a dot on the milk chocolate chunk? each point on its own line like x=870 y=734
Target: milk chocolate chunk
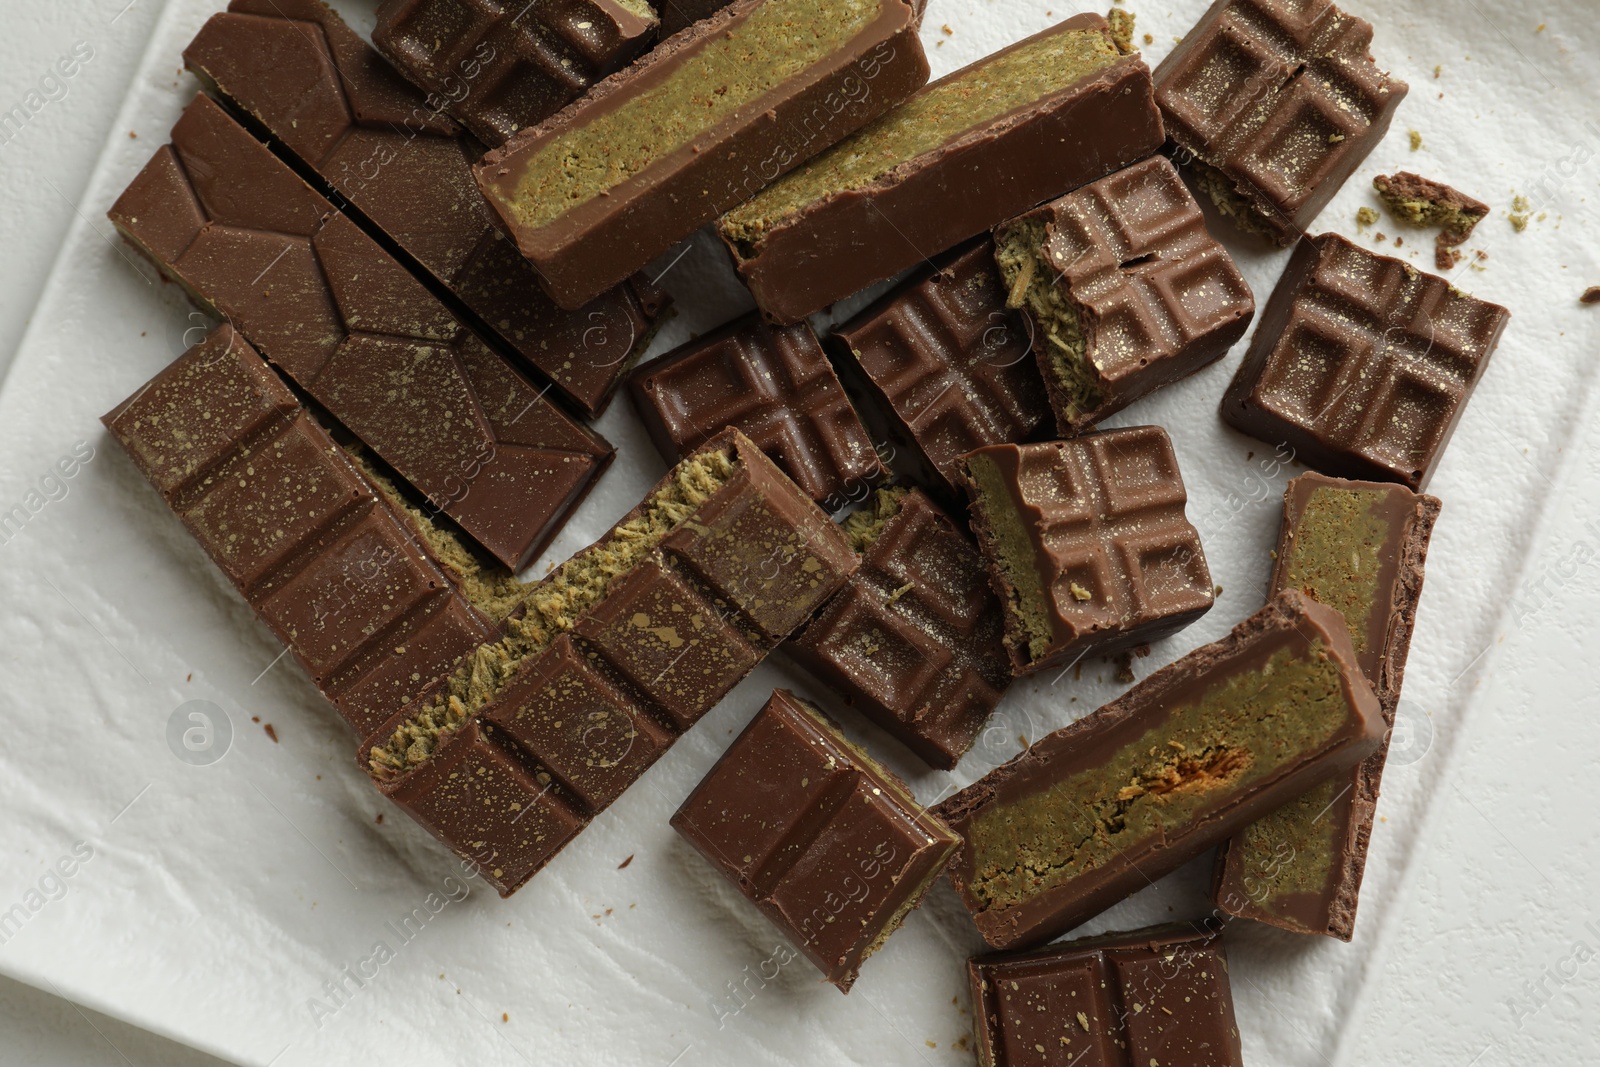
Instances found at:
x=609 y=659
x=498 y=67
x=943 y=365
x=1159 y=995
x=775 y=385
x=699 y=124
x=372 y=142
x=1096 y=811
x=1124 y=289
x=1087 y=544
x=830 y=846
x=1358 y=547
x=1027 y=123
x=1272 y=104
x=1362 y=364
x=217 y=212
x=914 y=639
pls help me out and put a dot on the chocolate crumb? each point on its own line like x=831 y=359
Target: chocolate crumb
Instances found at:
x=271 y=732
x=1416 y=139
x=1590 y=295
x=1124 y=662
x=379 y=818
x=625 y=862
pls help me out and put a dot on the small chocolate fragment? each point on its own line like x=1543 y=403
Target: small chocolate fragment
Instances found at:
x=1031 y=121
x=499 y=67
x=1361 y=363
x=655 y=151
x=774 y=384
x=946 y=367
x=1425 y=202
x=1124 y=288
x=1272 y=104
x=1358 y=547
x=832 y=847
x=1154 y=996
x=1097 y=811
x=1590 y=295
x=1087 y=544
x=914 y=639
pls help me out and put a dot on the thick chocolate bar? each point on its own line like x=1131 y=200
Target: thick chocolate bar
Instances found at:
x=609 y=659
x=1272 y=104
x=1358 y=547
x=1096 y=811
x=1087 y=544
x=1361 y=363
x=945 y=366
x=499 y=67
x=776 y=386
x=1154 y=996
x=327 y=563
x=654 y=152
x=314 y=88
x=1029 y=122
x=220 y=214
x=914 y=640
x=832 y=847
x=1124 y=289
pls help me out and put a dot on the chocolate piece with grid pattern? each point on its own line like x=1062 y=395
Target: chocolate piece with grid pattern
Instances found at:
x=1362 y=364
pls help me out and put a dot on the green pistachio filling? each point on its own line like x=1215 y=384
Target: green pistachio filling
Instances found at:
x=1030 y=282
x=1014 y=552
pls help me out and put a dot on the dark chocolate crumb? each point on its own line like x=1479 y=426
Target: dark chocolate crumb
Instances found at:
x=1590 y=295
x=271 y=732
x=625 y=862
x=378 y=818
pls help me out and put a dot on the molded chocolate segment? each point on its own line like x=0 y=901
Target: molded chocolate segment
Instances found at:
x=977 y=146
x=830 y=846
x=1159 y=995
x=1124 y=289
x=317 y=90
x=1272 y=105
x=949 y=367
x=1358 y=547
x=1087 y=544
x=914 y=640
x=1094 y=812
x=221 y=215
x=1362 y=364
x=655 y=151
x=499 y=67
x=778 y=388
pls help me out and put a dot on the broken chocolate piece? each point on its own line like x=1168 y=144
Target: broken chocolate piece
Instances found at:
x=1425 y=202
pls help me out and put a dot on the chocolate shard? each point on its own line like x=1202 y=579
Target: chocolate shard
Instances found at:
x=1124 y=289
x=774 y=384
x=1358 y=547
x=652 y=153
x=500 y=67
x=1362 y=364
x=1272 y=104
x=914 y=639
x=217 y=212
x=609 y=659
x=1027 y=123
x=943 y=366
x=1422 y=201
x=1087 y=544
x=1159 y=995
x=314 y=88
x=830 y=846
x=1094 y=812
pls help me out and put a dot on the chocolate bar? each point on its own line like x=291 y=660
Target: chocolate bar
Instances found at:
x=609 y=660
x=652 y=153
x=499 y=67
x=914 y=639
x=945 y=368
x=221 y=215
x=1029 y=122
x=1358 y=547
x=1124 y=289
x=1202 y=748
x=340 y=577
x=315 y=89
x=1272 y=104
x=830 y=846
x=1361 y=363
x=1087 y=544
x=1159 y=995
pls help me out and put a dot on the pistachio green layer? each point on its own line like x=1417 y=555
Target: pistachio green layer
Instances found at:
x=1031 y=283
x=1227 y=199
x=1335 y=557
x=1291 y=851
x=1014 y=552
x=863 y=526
